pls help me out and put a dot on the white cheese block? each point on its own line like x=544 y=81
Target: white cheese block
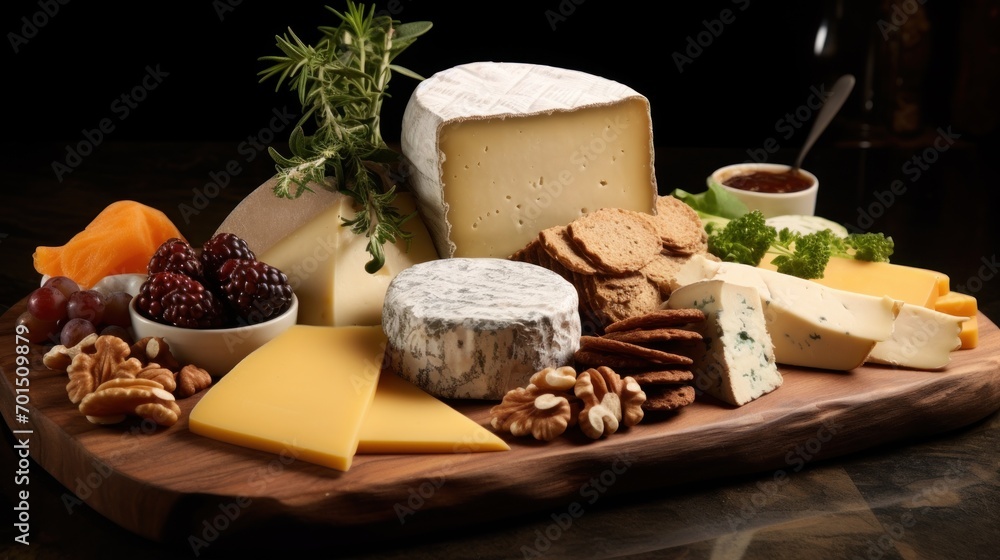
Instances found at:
x=325 y=263
x=501 y=151
x=922 y=338
x=810 y=324
x=805 y=224
x=478 y=327
x=736 y=364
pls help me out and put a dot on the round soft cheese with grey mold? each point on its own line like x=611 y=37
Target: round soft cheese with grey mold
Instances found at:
x=475 y=328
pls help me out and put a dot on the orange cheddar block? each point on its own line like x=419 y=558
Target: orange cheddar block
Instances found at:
x=970 y=333
x=961 y=305
x=957 y=303
x=916 y=286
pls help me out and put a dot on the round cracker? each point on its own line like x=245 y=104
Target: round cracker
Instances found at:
x=595 y=358
x=616 y=240
x=661 y=377
x=667 y=397
x=603 y=344
x=658 y=319
x=616 y=298
x=678 y=225
x=652 y=336
x=558 y=244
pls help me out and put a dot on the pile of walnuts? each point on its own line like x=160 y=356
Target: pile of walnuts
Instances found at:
x=598 y=400
x=111 y=380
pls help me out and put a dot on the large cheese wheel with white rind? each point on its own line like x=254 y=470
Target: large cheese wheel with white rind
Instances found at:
x=501 y=151
x=475 y=328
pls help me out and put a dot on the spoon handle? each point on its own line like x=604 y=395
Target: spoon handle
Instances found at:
x=838 y=94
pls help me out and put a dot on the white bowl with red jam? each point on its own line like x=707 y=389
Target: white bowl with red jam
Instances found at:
x=774 y=189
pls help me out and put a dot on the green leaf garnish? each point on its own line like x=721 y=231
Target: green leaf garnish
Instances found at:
x=341 y=82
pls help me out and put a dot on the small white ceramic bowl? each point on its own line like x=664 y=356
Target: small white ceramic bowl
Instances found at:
x=215 y=350
x=801 y=203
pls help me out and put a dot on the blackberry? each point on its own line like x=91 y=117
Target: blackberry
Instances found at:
x=175 y=255
x=256 y=291
x=179 y=300
x=221 y=248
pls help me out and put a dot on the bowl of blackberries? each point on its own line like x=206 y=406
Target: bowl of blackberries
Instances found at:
x=214 y=304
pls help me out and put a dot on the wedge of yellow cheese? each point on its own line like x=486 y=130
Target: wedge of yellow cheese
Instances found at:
x=304 y=394
x=917 y=286
x=405 y=419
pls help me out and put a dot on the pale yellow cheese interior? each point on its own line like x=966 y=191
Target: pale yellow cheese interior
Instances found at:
x=506 y=179
x=405 y=419
x=302 y=395
x=325 y=265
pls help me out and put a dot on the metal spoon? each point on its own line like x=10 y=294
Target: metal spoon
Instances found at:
x=838 y=94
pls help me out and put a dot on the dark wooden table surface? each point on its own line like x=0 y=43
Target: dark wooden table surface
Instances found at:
x=933 y=497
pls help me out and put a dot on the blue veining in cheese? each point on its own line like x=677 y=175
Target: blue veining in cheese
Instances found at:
x=478 y=327
x=736 y=362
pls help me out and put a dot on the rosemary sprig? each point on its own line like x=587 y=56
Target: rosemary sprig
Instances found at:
x=341 y=82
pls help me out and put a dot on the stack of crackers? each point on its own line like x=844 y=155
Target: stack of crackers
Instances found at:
x=654 y=349
x=620 y=261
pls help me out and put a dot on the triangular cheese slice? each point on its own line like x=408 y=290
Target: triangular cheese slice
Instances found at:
x=405 y=419
x=304 y=393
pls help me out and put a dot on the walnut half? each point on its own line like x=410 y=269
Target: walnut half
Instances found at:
x=544 y=409
x=608 y=400
x=118 y=398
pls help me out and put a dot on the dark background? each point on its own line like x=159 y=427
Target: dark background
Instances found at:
x=762 y=65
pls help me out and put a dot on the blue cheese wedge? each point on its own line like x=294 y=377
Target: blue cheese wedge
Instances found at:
x=922 y=338
x=810 y=325
x=475 y=328
x=736 y=364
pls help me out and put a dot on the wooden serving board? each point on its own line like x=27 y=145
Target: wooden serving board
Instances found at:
x=172 y=486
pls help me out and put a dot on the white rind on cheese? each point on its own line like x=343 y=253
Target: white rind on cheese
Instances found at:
x=501 y=151
x=810 y=325
x=477 y=328
x=736 y=362
x=922 y=338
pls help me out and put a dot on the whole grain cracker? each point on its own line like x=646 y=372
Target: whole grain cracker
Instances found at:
x=647 y=336
x=678 y=226
x=663 y=269
x=667 y=397
x=597 y=358
x=657 y=319
x=617 y=298
x=661 y=376
x=603 y=344
x=559 y=245
x=616 y=240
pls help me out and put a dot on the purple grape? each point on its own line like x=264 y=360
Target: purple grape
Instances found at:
x=64 y=284
x=75 y=330
x=48 y=304
x=38 y=331
x=116 y=309
x=86 y=304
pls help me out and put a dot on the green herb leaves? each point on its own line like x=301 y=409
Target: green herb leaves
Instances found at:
x=341 y=82
x=746 y=239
